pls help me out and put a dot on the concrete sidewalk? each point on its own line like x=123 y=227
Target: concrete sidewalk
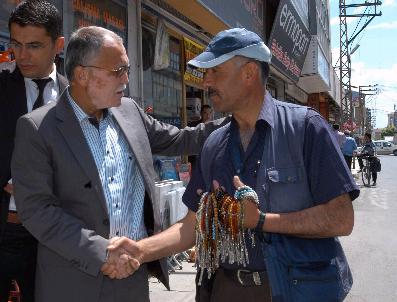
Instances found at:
x=355 y=173
x=182 y=286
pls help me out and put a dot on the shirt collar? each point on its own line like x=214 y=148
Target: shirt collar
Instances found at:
x=80 y=114
x=53 y=75
x=267 y=110
x=266 y=113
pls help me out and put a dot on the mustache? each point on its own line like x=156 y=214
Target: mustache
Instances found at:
x=122 y=88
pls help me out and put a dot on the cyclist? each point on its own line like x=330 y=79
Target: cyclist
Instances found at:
x=368 y=150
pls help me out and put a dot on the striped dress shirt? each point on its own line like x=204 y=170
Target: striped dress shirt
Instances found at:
x=121 y=178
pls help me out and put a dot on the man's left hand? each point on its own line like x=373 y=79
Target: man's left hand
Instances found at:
x=251 y=211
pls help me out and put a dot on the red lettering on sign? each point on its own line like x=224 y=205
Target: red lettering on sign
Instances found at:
x=283 y=57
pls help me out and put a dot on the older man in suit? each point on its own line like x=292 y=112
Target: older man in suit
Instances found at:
x=88 y=176
x=25 y=84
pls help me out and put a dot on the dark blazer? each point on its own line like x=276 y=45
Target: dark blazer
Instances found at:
x=13 y=104
x=61 y=202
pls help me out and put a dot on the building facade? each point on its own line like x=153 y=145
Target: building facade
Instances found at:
x=162 y=35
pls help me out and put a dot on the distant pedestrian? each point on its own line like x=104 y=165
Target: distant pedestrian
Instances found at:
x=369 y=151
x=348 y=148
x=339 y=136
x=206 y=115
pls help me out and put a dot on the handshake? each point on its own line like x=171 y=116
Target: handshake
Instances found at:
x=124 y=257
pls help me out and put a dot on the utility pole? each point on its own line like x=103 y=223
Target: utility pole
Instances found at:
x=346 y=113
x=364 y=119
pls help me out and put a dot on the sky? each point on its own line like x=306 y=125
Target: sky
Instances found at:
x=375 y=61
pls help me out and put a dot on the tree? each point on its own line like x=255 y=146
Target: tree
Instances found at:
x=388 y=131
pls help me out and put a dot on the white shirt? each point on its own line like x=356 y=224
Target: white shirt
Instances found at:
x=340 y=137
x=50 y=94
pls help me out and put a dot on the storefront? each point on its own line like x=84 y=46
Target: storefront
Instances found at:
x=173 y=32
x=162 y=35
x=171 y=92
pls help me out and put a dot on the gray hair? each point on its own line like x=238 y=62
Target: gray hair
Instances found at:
x=84 y=45
x=263 y=67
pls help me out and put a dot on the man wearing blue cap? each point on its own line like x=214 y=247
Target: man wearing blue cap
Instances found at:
x=286 y=154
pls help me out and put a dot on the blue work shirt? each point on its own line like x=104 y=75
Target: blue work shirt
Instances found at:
x=349 y=146
x=320 y=155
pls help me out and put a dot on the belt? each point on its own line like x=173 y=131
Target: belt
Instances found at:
x=247 y=278
x=12 y=217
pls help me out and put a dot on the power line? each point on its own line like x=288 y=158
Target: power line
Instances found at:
x=346 y=112
x=359 y=20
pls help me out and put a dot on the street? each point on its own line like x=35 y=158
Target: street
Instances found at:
x=371 y=249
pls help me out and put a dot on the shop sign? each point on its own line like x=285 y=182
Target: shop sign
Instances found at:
x=238 y=13
x=289 y=41
x=192 y=49
x=106 y=14
x=323 y=66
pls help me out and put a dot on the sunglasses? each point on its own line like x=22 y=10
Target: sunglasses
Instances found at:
x=119 y=72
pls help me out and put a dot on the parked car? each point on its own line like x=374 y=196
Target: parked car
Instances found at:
x=385 y=147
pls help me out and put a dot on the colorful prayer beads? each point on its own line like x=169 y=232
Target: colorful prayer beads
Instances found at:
x=219 y=229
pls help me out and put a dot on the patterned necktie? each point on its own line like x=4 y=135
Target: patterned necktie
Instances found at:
x=41 y=83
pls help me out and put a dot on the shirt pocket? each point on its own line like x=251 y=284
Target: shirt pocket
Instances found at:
x=313 y=283
x=285 y=175
x=287 y=189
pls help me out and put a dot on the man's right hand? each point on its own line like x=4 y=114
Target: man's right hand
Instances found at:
x=129 y=246
x=119 y=263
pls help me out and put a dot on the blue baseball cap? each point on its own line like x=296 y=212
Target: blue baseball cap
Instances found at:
x=229 y=43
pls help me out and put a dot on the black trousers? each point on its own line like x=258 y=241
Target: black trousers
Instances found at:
x=18 y=251
x=348 y=160
x=222 y=288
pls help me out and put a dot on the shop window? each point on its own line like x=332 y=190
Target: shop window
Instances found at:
x=162 y=89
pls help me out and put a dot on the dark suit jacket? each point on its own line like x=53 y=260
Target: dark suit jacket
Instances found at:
x=13 y=104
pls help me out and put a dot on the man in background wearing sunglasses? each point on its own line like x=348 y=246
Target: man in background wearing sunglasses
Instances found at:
x=26 y=83
x=88 y=176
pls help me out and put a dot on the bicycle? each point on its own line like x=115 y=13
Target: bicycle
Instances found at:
x=366 y=171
